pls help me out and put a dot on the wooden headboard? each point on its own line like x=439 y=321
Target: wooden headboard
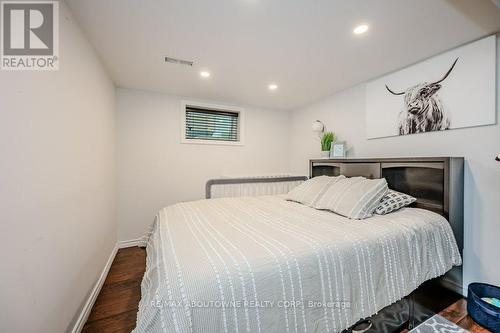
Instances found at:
x=436 y=182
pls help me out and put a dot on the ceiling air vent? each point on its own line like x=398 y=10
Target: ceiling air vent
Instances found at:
x=178 y=61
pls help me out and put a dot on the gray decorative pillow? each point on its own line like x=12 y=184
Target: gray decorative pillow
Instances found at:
x=355 y=198
x=392 y=201
x=311 y=190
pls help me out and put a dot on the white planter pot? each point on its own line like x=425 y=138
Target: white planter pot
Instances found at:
x=325 y=154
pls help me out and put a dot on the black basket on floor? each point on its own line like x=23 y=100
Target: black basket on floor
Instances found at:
x=483 y=313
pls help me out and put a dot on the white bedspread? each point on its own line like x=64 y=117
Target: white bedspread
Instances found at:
x=264 y=264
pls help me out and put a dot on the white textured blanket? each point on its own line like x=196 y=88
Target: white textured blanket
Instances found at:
x=264 y=264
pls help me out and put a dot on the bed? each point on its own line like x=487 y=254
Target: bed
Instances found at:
x=265 y=264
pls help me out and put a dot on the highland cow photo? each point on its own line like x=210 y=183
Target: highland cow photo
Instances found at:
x=452 y=90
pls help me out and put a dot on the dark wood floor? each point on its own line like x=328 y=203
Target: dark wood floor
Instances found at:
x=116 y=306
x=115 y=309
x=457 y=313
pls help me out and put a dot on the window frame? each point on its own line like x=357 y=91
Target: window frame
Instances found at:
x=214 y=107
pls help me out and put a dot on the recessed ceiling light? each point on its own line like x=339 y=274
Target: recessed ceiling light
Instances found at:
x=273 y=86
x=360 y=29
x=205 y=74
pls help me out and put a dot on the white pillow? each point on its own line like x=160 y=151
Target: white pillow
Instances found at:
x=355 y=198
x=392 y=201
x=312 y=189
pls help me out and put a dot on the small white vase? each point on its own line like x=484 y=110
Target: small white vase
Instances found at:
x=325 y=154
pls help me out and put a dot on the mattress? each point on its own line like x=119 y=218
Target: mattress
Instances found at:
x=264 y=264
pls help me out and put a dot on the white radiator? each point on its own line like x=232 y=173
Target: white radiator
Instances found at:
x=251 y=186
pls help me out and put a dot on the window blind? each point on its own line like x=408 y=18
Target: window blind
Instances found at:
x=204 y=124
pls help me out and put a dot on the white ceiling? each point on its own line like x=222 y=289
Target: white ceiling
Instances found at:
x=305 y=46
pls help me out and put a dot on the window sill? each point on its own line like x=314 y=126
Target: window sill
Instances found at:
x=210 y=142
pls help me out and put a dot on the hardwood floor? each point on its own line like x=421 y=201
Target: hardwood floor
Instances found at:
x=116 y=306
x=458 y=314
x=115 y=309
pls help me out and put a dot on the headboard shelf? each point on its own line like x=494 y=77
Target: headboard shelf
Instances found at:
x=436 y=182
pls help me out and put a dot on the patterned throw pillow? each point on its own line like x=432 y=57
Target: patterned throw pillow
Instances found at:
x=355 y=198
x=309 y=191
x=392 y=201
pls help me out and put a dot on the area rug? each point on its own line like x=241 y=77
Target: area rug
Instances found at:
x=437 y=324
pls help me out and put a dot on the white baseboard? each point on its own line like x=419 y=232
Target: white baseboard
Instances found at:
x=84 y=315
x=129 y=243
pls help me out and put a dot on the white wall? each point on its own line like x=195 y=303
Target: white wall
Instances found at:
x=57 y=174
x=57 y=206
x=344 y=113
x=156 y=170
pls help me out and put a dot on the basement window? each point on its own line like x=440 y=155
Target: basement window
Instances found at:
x=211 y=124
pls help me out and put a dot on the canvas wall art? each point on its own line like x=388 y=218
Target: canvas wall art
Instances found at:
x=455 y=89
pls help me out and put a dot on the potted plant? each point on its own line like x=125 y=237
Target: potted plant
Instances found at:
x=326 y=143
